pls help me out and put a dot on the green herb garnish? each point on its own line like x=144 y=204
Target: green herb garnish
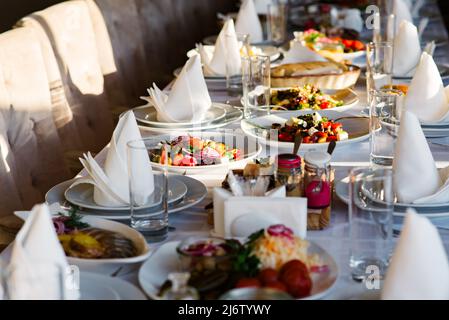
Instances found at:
x=74 y=219
x=245 y=262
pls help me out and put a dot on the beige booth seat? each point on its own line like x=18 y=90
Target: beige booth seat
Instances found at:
x=31 y=154
x=67 y=29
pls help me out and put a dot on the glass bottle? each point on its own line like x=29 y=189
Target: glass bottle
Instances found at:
x=289 y=173
x=318 y=178
x=179 y=289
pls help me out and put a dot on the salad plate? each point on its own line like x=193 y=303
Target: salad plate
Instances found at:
x=82 y=195
x=203 y=152
x=165 y=260
x=105 y=265
x=355 y=129
x=308 y=99
x=196 y=192
x=147 y=114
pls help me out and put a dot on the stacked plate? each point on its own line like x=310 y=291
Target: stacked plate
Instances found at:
x=184 y=192
x=219 y=115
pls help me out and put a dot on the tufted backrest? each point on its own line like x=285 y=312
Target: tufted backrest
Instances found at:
x=68 y=29
x=31 y=153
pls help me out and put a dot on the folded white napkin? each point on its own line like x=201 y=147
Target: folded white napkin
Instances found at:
x=262 y=6
x=189 y=98
x=353 y=20
x=248 y=22
x=111 y=183
x=226 y=53
x=402 y=12
x=37 y=254
x=426 y=97
x=298 y=53
x=416 y=177
x=407 y=49
x=220 y=196
x=419 y=269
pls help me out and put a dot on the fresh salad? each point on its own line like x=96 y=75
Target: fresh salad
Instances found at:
x=306 y=97
x=191 y=151
x=312 y=127
x=319 y=41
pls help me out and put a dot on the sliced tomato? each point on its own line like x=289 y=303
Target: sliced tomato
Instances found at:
x=358 y=45
x=307 y=139
x=324 y=105
x=336 y=126
x=331 y=138
x=348 y=43
x=326 y=125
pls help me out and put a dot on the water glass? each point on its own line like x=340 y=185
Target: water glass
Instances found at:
x=153 y=224
x=233 y=79
x=371 y=201
x=256 y=86
x=379 y=66
x=277 y=22
x=384 y=27
x=385 y=111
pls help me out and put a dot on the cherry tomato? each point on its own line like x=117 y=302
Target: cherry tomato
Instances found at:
x=299 y=286
x=336 y=126
x=293 y=264
x=248 y=283
x=358 y=45
x=331 y=138
x=348 y=43
x=267 y=276
x=307 y=139
x=324 y=105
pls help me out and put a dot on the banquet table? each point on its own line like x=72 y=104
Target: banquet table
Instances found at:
x=334 y=239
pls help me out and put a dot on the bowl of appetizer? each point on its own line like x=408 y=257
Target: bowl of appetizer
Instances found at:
x=270 y=259
x=316 y=131
x=98 y=245
x=201 y=152
x=310 y=98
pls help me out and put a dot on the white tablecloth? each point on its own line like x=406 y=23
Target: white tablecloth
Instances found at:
x=335 y=238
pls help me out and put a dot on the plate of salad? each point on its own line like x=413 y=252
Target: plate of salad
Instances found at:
x=200 y=152
x=310 y=98
x=316 y=131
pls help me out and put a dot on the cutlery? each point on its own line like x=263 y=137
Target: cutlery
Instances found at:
x=298 y=140
x=331 y=147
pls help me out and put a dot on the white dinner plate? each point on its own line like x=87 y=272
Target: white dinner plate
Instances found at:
x=348 y=96
x=107 y=266
x=258 y=128
x=233 y=114
x=210 y=40
x=94 y=286
x=154 y=272
x=430 y=210
x=196 y=192
x=147 y=114
x=250 y=150
x=82 y=195
x=266 y=50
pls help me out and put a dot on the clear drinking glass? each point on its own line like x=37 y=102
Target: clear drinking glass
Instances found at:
x=370 y=221
x=233 y=79
x=277 y=22
x=384 y=27
x=256 y=86
x=152 y=224
x=379 y=66
x=385 y=111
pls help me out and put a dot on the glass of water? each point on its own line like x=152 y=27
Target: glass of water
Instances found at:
x=256 y=86
x=370 y=221
x=153 y=224
x=234 y=78
x=384 y=27
x=277 y=22
x=379 y=66
x=385 y=111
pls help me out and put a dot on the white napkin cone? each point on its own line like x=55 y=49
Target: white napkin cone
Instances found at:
x=298 y=53
x=226 y=52
x=426 y=97
x=111 y=187
x=416 y=177
x=402 y=12
x=189 y=98
x=407 y=49
x=248 y=22
x=419 y=269
x=35 y=247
